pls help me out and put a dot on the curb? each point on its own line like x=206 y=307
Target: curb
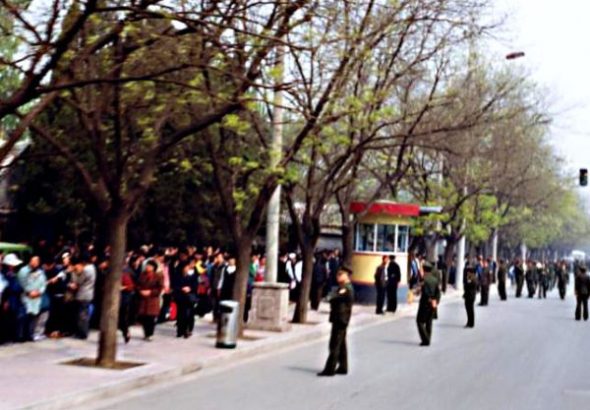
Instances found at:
x=280 y=343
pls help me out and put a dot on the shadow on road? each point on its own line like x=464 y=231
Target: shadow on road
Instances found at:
x=303 y=369
x=401 y=343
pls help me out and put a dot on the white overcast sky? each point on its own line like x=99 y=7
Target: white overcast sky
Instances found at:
x=555 y=35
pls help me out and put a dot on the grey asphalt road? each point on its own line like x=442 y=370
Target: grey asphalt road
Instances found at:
x=523 y=354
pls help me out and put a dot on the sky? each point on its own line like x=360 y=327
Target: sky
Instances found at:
x=555 y=35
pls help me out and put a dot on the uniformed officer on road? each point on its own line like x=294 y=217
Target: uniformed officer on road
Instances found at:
x=470 y=294
x=341 y=300
x=429 y=298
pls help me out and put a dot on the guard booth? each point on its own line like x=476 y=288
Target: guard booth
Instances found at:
x=382 y=229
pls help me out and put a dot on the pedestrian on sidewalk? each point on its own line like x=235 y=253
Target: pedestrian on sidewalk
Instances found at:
x=444 y=271
x=12 y=310
x=82 y=284
x=319 y=278
x=149 y=286
x=530 y=276
x=185 y=295
x=542 y=280
x=582 y=293
x=485 y=279
x=341 y=301
x=469 y=295
x=394 y=276
x=380 y=284
x=127 y=294
x=429 y=298
x=33 y=281
x=57 y=284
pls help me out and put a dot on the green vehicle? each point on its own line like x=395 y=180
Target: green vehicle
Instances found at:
x=23 y=252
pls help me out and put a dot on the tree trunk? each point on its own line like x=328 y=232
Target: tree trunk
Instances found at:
x=347 y=243
x=244 y=249
x=307 y=250
x=117 y=234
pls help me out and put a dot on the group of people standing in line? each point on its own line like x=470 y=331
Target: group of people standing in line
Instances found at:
x=429 y=280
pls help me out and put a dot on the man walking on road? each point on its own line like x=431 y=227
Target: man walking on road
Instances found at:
x=582 y=293
x=502 y=273
x=430 y=296
x=519 y=277
x=341 y=301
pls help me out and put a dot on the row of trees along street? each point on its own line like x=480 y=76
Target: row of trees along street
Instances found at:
x=145 y=113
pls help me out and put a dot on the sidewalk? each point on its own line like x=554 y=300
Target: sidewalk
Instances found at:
x=35 y=378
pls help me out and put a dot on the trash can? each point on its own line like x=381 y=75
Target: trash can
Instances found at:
x=227 y=326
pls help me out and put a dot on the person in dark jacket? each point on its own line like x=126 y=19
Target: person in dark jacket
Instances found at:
x=217 y=272
x=320 y=275
x=394 y=276
x=485 y=279
x=57 y=286
x=582 y=294
x=519 y=277
x=562 y=279
x=469 y=295
x=502 y=273
x=429 y=298
x=444 y=271
x=149 y=287
x=185 y=295
x=341 y=300
x=381 y=284
x=530 y=277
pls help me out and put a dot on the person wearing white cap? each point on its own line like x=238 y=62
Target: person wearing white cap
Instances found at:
x=11 y=307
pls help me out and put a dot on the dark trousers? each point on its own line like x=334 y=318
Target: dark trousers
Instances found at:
x=502 y=289
x=338 y=351
x=124 y=313
x=317 y=290
x=530 y=287
x=11 y=326
x=543 y=290
x=562 y=289
x=519 y=286
x=485 y=295
x=57 y=314
x=380 y=299
x=83 y=319
x=392 y=297
x=185 y=319
x=149 y=325
x=470 y=309
x=424 y=322
x=582 y=307
x=30 y=326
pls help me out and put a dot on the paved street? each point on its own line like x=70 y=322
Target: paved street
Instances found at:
x=523 y=354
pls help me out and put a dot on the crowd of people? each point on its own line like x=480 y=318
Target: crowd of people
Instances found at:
x=58 y=291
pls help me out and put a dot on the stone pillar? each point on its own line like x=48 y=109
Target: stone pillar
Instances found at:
x=270 y=307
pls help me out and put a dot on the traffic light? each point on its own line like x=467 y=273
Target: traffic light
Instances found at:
x=583 y=177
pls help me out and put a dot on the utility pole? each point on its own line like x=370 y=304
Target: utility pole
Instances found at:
x=274 y=207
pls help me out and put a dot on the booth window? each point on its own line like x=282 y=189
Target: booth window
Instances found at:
x=382 y=238
x=386 y=238
x=365 y=238
x=403 y=236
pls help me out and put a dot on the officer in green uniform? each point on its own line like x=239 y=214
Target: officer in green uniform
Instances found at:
x=429 y=298
x=470 y=293
x=341 y=301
